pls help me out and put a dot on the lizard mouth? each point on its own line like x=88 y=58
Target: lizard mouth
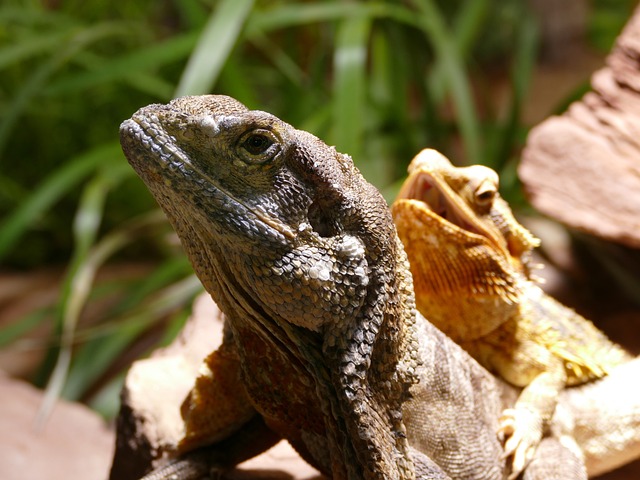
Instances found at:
x=441 y=204
x=174 y=170
x=439 y=201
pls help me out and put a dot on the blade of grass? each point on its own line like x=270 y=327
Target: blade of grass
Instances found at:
x=434 y=26
x=398 y=135
x=12 y=332
x=466 y=28
x=165 y=273
x=193 y=13
x=107 y=400
x=214 y=46
x=170 y=273
x=36 y=82
x=34 y=17
x=235 y=81
x=127 y=66
x=27 y=48
x=279 y=57
x=96 y=358
x=524 y=59
x=318 y=120
x=349 y=85
x=298 y=14
x=79 y=280
x=152 y=85
x=51 y=190
x=78 y=286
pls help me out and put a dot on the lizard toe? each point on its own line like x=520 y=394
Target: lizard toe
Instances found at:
x=521 y=432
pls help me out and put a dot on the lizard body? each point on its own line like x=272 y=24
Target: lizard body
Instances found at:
x=470 y=263
x=277 y=211
x=323 y=343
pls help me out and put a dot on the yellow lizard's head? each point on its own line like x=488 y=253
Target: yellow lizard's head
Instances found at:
x=467 y=251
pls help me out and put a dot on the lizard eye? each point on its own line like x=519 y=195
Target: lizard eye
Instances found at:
x=259 y=146
x=486 y=192
x=485 y=197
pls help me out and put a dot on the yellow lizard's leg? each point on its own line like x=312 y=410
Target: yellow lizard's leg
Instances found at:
x=522 y=427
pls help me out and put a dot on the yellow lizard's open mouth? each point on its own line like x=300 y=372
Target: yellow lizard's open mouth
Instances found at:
x=440 y=202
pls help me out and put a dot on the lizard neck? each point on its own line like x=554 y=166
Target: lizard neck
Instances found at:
x=376 y=359
x=301 y=254
x=359 y=370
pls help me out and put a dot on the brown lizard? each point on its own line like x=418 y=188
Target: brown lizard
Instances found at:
x=323 y=343
x=470 y=263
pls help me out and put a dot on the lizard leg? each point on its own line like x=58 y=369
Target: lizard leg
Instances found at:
x=426 y=469
x=554 y=459
x=522 y=427
x=218 y=405
x=251 y=439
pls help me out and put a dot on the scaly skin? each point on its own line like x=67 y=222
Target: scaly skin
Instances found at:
x=322 y=323
x=469 y=259
x=323 y=343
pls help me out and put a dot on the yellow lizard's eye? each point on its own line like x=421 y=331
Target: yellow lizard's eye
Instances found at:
x=485 y=196
x=485 y=193
x=259 y=146
x=482 y=185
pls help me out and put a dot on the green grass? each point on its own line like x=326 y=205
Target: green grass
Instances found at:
x=380 y=80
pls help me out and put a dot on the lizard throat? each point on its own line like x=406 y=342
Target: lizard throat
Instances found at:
x=147 y=130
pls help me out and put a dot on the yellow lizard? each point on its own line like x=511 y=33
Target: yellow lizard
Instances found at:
x=470 y=263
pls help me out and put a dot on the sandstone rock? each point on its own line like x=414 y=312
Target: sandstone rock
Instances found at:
x=74 y=443
x=583 y=168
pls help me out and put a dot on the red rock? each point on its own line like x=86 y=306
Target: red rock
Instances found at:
x=583 y=168
x=73 y=444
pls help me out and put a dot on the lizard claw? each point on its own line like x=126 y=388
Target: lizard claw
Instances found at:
x=521 y=431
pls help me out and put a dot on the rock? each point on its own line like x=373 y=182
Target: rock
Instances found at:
x=279 y=463
x=583 y=168
x=74 y=443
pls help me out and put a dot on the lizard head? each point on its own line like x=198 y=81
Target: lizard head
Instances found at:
x=295 y=247
x=264 y=211
x=466 y=249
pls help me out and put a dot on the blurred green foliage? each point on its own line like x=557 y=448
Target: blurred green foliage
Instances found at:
x=606 y=21
x=378 y=79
